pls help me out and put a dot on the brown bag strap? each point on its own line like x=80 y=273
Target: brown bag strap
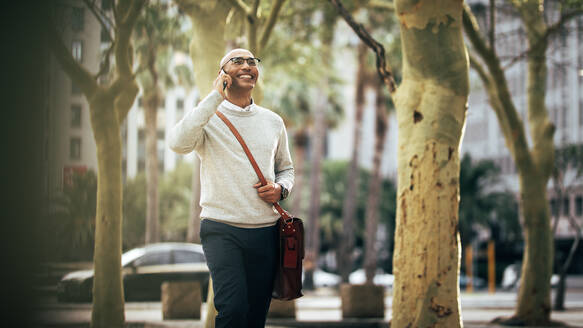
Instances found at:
x=284 y=214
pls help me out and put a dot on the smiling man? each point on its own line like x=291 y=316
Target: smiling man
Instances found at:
x=238 y=230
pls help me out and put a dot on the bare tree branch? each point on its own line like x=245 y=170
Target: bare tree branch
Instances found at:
x=550 y=31
x=492 y=26
x=383 y=68
x=255 y=9
x=239 y=4
x=105 y=65
x=78 y=74
x=124 y=28
x=270 y=23
x=500 y=98
x=101 y=17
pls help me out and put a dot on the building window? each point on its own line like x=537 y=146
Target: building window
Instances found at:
x=77 y=50
x=566 y=203
x=75 y=89
x=579 y=206
x=76 y=116
x=105 y=35
x=75 y=148
x=78 y=19
x=554 y=209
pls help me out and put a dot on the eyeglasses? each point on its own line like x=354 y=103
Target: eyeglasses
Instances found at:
x=240 y=60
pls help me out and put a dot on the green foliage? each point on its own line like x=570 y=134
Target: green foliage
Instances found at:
x=158 y=36
x=70 y=227
x=333 y=189
x=482 y=206
x=174 y=189
x=175 y=194
x=134 y=212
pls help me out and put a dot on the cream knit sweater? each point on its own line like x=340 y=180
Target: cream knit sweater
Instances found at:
x=227 y=177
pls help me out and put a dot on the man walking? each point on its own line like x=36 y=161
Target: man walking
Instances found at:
x=238 y=229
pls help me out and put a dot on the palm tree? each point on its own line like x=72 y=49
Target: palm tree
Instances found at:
x=344 y=258
x=74 y=210
x=373 y=198
x=158 y=37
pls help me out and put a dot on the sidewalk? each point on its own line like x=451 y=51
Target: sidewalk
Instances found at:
x=316 y=309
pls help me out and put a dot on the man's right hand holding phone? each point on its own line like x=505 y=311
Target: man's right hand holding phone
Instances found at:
x=222 y=83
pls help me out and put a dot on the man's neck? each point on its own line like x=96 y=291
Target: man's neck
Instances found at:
x=240 y=99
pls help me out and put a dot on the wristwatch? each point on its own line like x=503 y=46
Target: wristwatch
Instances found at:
x=284 y=192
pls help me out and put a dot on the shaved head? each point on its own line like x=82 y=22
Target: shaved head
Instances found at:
x=235 y=53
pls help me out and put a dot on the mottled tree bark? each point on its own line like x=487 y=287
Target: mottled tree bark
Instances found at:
x=431 y=108
x=109 y=106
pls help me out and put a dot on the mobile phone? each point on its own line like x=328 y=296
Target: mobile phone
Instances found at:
x=224 y=82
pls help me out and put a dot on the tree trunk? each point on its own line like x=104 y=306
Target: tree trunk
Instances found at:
x=533 y=303
x=344 y=257
x=431 y=108
x=559 y=303
x=374 y=187
x=313 y=229
x=206 y=50
x=534 y=296
x=301 y=140
x=318 y=150
x=108 y=300
x=109 y=106
x=534 y=166
x=152 y=216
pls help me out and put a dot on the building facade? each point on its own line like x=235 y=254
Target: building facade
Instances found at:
x=70 y=146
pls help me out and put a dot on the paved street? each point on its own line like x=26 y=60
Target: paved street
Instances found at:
x=316 y=309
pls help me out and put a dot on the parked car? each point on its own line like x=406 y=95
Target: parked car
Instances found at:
x=381 y=278
x=477 y=282
x=324 y=279
x=144 y=269
x=511 y=277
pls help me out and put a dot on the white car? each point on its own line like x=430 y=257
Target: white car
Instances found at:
x=324 y=279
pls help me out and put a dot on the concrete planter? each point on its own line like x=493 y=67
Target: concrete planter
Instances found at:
x=181 y=300
x=362 y=301
x=282 y=309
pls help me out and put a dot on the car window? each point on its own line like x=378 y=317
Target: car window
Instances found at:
x=156 y=258
x=182 y=256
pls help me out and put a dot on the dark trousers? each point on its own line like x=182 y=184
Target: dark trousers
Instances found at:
x=242 y=264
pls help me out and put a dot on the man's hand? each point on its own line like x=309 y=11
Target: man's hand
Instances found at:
x=219 y=83
x=270 y=193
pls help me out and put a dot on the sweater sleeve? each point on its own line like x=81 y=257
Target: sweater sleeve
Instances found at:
x=284 y=169
x=188 y=134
